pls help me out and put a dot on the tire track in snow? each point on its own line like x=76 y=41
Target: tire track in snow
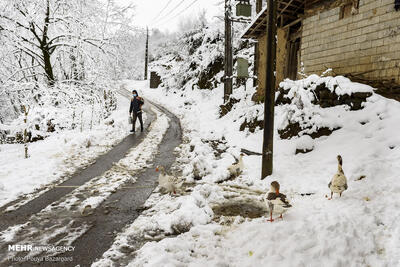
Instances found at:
x=62 y=222
x=22 y=209
x=101 y=236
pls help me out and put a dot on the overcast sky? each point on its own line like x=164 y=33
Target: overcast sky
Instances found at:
x=148 y=11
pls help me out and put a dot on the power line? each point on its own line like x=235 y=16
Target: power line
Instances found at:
x=174 y=8
x=162 y=10
x=189 y=6
x=186 y=8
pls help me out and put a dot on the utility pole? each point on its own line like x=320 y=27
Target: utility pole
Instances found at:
x=269 y=104
x=228 y=52
x=256 y=47
x=146 y=59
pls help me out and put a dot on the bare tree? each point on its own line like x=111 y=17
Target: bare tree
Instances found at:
x=58 y=36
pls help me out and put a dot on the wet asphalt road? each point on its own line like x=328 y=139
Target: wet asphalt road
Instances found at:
x=102 y=164
x=126 y=203
x=100 y=237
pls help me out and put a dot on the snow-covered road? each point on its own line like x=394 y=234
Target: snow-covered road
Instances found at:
x=107 y=201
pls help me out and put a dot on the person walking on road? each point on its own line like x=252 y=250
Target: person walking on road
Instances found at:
x=135 y=110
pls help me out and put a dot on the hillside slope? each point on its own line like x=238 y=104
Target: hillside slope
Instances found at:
x=196 y=60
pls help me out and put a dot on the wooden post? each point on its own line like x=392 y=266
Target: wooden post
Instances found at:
x=256 y=48
x=82 y=121
x=269 y=104
x=91 y=118
x=228 y=52
x=26 y=131
x=146 y=59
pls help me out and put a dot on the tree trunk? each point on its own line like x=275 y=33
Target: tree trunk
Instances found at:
x=48 y=68
x=44 y=46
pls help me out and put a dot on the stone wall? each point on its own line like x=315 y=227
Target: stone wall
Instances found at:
x=365 y=44
x=155 y=79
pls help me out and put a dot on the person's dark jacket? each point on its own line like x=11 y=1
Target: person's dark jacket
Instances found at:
x=136 y=105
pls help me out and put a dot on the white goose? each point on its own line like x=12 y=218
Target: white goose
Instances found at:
x=339 y=180
x=167 y=182
x=237 y=168
x=277 y=203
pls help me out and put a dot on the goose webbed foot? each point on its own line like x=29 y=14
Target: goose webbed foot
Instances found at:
x=270 y=219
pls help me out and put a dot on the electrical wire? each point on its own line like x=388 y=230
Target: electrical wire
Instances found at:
x=185 y=9
x=162 y=10
x=166 y=16
x=189 y=6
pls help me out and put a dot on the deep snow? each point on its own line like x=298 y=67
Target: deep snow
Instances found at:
x=359 y=229
x=58 y=156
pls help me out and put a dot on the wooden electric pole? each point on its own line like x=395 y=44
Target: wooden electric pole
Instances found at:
x=146 y=59
x=228 y=52
x=269 y=104
x=256 y=48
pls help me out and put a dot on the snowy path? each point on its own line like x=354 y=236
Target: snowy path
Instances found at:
x=114 y=196
x=102 y=164
x=128 y=202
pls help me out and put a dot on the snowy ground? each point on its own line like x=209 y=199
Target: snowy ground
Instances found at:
x=65 y=215
x=359 y=229
x=58 y=156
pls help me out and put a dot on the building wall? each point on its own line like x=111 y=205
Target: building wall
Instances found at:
x=262 y=65
x=367 y=43
x=281 y=56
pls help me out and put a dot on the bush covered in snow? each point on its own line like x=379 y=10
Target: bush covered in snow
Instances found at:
x=308 y=105
x=63 y=106
x=324 y=91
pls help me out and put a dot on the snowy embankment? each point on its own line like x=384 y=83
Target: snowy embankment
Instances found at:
x=58 y=156
x=359 y=229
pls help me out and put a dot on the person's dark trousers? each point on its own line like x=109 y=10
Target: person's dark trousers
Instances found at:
x=137 y=116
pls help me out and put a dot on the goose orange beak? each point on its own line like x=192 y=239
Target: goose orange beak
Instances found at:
x=157 y=169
